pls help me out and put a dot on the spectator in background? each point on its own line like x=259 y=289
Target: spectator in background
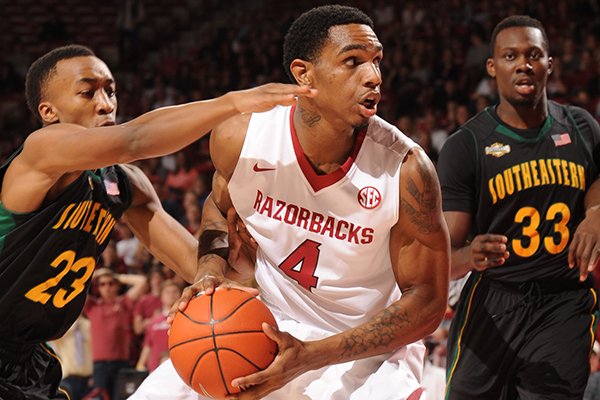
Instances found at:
x=592 y=390
x=111 y=320
x=149 y=304
x=109 y=259
x=75 y=352
x=183 y=176
x=156 y=337
x=127 y=246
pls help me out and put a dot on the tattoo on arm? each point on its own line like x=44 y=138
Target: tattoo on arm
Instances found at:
x=381 y=332
x=309 y=118
x=423 y=217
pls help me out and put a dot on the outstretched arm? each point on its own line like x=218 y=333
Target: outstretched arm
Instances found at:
x=420 y=255
x=163 y=236
x=153 y=134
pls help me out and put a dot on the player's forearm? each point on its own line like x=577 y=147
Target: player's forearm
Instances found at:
x=169 y=129
x=213 y=244
x=460 y=262
x=177 y=248
x=417 y=314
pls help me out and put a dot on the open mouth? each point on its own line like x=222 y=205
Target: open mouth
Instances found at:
x=524 y=86
x=369 y=104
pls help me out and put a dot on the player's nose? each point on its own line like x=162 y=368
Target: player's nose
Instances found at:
x=105 y=103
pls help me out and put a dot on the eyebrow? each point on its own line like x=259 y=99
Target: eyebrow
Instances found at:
x=92 y=81
x=351 y=47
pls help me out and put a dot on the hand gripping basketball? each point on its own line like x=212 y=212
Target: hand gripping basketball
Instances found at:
x=219 y=338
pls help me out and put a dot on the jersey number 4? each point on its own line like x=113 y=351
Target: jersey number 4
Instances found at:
x=42 y=292
x=301 y=264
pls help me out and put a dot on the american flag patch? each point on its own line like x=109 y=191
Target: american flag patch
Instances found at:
x=112 y=188
x=562 y=139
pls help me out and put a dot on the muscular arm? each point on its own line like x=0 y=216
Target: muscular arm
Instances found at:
x=419 y=249
x=162 y=235
x=226 y=143
x=74 y=148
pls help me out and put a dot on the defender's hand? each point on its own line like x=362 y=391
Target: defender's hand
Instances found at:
x=488 y=250
x=263 y=98
x=585 y=247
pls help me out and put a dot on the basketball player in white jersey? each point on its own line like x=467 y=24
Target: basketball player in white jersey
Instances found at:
x=353 y=251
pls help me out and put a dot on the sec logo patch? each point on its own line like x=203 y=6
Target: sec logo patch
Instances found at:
x=369 y=197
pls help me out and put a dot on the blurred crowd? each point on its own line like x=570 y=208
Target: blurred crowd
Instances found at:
x=434 y=80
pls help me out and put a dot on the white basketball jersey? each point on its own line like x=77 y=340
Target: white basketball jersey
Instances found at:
x=323 y=256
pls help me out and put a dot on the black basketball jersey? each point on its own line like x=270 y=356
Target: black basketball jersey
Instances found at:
x=47 y=257
x=527 y=185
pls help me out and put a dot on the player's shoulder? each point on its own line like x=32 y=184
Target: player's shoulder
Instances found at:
x=232 y=127
x=566 y=113
x=48 y=135
x=389 y=136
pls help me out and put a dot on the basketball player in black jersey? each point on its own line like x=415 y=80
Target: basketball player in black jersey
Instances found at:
x=62 y=192
x=520 y=180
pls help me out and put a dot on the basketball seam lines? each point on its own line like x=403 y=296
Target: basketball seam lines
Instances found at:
x=213 y=336
x=213 y=321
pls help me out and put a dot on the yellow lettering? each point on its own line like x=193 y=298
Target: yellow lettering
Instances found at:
x=551 y=172
x=79 y=213
x=534 y=172
x=101 y=215
x=63 y=216
x=565 y=171
x=581 y=172
x=526 y=175
x=573 y=174
x=556 y=165
x=87 y=226
x=516 y=169
x=500 y=187
x=544 y=172
x=106 y=230
x=492 y=191
x=508 y=182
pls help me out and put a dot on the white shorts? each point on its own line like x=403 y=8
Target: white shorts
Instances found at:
x=384 y=377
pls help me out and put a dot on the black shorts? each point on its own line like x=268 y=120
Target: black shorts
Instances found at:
x=527 y=342
x=30 y=372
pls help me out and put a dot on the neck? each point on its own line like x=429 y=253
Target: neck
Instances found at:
x=326 y=145
x=523 y=116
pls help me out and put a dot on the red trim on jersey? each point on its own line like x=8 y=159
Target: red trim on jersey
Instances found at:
x=317 y=181
x=416 y=395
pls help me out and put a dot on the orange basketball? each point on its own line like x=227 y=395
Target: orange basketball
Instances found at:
x=219 y=338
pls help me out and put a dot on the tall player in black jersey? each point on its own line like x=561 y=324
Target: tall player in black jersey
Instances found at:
x=520 y=179
x=62 y=192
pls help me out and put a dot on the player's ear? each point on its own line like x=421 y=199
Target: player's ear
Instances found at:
x=47 y=113
x=490 y=67
x=550 y=64
x=302 y=71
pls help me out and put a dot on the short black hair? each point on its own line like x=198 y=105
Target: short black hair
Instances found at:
x=40 y=70
x=309 y=31
x=517 y=21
